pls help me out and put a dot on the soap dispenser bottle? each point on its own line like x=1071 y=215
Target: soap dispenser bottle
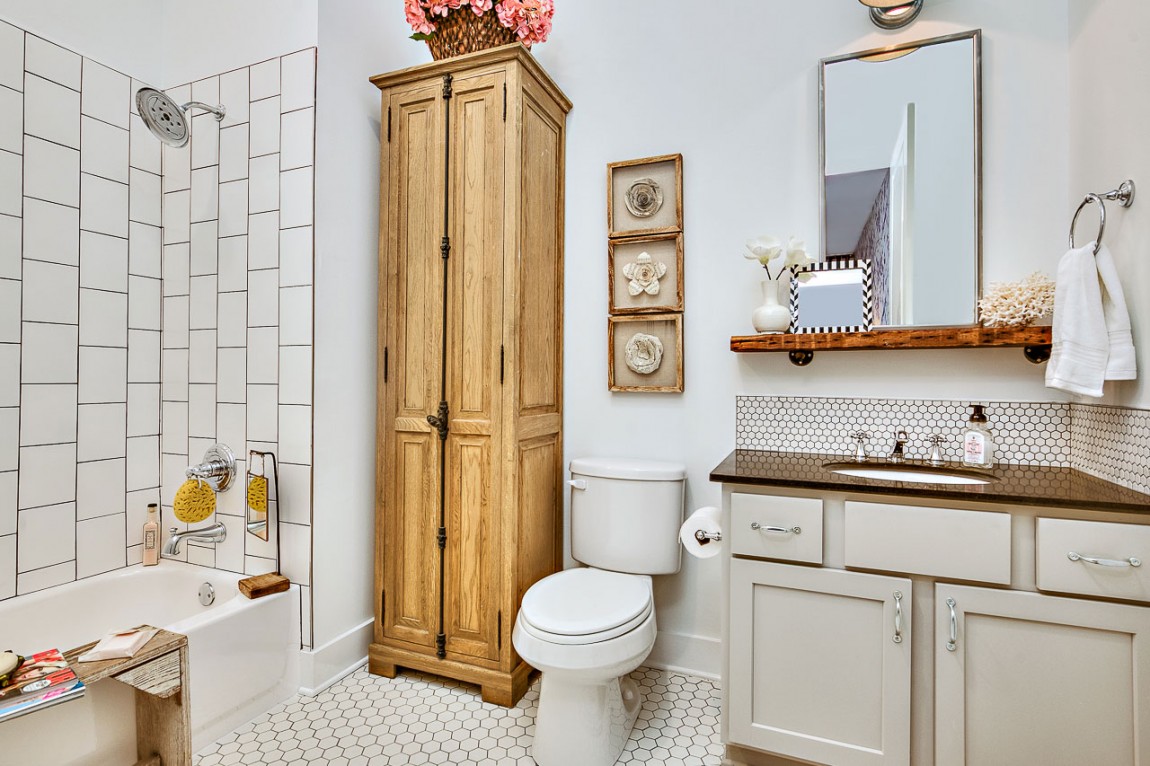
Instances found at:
x=977 y=440
x=151 y=554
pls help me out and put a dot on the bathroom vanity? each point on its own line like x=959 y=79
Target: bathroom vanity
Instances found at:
x=880 y=622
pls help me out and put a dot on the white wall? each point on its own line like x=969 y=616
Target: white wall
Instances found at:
x=124 y=34
x=205 y=37
x=740 y=102
x=357 y=38
x=1110 y=108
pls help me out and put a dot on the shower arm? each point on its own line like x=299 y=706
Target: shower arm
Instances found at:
x=218 y=111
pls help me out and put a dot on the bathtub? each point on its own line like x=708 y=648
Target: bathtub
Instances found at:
x=243 y=658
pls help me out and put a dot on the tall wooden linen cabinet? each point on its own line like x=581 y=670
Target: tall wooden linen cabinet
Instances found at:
x=469 y=442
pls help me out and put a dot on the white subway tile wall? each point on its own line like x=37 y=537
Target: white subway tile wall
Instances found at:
x=141 y=286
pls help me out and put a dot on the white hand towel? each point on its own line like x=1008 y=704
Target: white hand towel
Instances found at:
x=1121 y=365
x=1080 y=340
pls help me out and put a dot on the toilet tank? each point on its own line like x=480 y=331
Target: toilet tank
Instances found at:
x=625 y=514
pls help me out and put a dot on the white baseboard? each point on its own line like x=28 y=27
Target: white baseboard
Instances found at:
x=684 y=653
x=321 y=667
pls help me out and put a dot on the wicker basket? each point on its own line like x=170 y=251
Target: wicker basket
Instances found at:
x=464 y=32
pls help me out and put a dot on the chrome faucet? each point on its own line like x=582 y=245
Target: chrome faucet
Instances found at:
x=216 y=533
x=897 y=455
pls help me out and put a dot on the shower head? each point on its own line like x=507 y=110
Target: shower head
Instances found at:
x=167 y=120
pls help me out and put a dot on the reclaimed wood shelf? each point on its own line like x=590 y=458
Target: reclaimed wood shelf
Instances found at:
x=1035 y=341
x=159 y=674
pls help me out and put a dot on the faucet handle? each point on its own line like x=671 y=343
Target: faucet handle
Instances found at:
x=936 y=441
x=860 y=438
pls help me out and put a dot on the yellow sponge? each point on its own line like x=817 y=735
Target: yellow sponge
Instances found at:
x=258 y=493
x=195 y=501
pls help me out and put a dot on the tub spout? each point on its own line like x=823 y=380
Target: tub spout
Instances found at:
x=216 y=533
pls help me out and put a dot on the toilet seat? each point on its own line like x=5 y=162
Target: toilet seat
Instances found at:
x=585 y=606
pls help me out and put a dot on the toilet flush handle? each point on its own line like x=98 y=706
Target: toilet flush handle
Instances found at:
x=578 y=483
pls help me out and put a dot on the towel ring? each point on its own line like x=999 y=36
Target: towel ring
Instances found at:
x=1123 y=195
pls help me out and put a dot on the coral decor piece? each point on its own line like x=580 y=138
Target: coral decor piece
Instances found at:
x=1017 y=304
x=644 y=274
x=529 y=20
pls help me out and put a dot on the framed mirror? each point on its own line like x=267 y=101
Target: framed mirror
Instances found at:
x=901 y=162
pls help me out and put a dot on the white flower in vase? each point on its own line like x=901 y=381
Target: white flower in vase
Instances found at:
x=776 y=259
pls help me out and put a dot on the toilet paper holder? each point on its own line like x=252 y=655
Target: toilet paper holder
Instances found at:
x=707 y=537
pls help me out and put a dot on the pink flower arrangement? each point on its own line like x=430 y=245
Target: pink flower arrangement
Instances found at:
x=529 y=19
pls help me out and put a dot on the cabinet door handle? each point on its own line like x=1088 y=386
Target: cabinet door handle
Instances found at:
x=784 y=530
x=952 y=644
x=898 y=616
x=1117 y=563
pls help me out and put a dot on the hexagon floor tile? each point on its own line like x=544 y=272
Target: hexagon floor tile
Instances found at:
x=366 y=720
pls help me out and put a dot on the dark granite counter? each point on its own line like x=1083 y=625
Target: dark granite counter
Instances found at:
x=1031 y=485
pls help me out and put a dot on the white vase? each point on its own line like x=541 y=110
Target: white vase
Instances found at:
x=772 y=316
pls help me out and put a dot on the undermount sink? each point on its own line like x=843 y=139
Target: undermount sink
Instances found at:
x=910 y=472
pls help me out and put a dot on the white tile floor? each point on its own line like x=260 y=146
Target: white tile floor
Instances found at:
x=365 y=720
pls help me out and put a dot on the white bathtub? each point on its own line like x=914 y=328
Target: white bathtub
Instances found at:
x=244 y=658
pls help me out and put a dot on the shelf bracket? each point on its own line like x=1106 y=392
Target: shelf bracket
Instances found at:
x=1036 y=354
x=801 y=358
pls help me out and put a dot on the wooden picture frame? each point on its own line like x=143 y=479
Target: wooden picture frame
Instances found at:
x=834 y=315
x=667 y=378
x=628 y=288
x=652 y=184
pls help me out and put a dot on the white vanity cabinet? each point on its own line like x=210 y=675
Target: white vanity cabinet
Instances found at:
x=830 y=653
x=826 y=665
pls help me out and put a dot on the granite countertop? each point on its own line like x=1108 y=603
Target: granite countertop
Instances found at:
x=1032 y=485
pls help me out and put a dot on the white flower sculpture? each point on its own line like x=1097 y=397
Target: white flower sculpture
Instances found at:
x=1017 y=304
x=644 y=274
x=769 y=250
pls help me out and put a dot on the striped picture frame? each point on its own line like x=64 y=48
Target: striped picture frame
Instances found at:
x=866 y=307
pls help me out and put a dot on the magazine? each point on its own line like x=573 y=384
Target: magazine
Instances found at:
x=44 y=679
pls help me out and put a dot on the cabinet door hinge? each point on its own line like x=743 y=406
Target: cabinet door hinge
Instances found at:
x=445 y=247
x=441 y=646
x=439 y=420
x=389 y=125
x=447 y=85
x=502 y=359
x=505 y=102
x=441 y=538
x=385 y=364
x=499 y=631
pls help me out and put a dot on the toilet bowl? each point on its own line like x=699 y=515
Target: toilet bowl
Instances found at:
x=586 y=630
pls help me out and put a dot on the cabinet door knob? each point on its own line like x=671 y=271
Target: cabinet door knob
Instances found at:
x=898 y=616
x=952 y=644
x=756 y=526
x=1116 y=563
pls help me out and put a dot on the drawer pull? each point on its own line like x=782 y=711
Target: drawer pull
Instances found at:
x=952 y=644
x=1116 y=563
x=785 y=530
x=898 y=616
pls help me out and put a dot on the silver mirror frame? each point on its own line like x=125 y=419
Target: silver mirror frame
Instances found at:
x=976 y=36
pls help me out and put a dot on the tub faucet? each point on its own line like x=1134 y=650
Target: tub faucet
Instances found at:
x=216 y=533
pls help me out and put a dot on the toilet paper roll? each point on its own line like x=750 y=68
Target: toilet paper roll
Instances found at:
x=705 y=520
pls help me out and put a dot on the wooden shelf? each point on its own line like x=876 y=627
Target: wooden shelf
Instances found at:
x=1034 y=340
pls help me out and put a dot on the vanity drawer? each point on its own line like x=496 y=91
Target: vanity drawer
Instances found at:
x=942 y=542
x=786 y=528
x=1094 y=558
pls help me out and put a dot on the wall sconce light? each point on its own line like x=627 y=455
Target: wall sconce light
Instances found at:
x=893 y=14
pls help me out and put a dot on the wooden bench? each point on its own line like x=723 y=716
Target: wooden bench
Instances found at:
x=159 y=674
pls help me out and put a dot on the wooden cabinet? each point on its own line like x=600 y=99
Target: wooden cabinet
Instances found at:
x=1034 y=680
x=828 y=655
x=469 y=437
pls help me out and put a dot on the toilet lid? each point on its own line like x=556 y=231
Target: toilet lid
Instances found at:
x=586 y=602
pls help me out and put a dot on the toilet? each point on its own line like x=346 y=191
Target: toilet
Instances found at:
x=587 y=628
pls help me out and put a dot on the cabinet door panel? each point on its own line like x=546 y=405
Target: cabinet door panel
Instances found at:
x=413 y=334
x=473 y=585
x=1036 y=680
x=815 y=670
